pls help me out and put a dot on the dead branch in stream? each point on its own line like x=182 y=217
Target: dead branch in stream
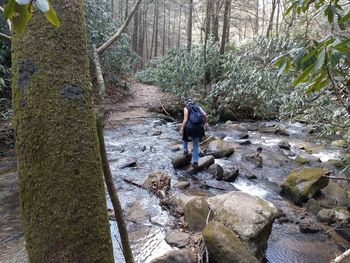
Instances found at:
x=336 y=178
x=341 y=257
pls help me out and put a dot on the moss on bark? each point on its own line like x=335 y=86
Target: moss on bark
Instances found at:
x=62 y=194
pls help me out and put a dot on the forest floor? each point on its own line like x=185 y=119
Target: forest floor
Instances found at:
x=141 y=104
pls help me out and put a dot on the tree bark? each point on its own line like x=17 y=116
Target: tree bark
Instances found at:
x=62 y=195
x=164 y=29
x=189 y=26
x=225 y=26
x=269 y=27
x=156 y=6
x=206 y=37
x=179 y=30
x=256 y=27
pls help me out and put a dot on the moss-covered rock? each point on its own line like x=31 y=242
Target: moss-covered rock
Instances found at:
x=177 y=256
x=227 y=115
x=224 y=246
x=220 y=148
x=248 y=216
x=302 y=184
x=196 y=212
x=313 y=206
x=335 y=195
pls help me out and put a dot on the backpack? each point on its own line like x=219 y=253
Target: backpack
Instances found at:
x=196 y=115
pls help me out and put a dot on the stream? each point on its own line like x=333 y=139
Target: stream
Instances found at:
x=148 y=223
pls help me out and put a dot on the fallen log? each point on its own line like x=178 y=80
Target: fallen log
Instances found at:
x=341 y=257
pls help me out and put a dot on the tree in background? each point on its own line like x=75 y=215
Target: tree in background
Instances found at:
x=61 y=186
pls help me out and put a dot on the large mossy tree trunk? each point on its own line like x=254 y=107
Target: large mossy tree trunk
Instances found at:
x=62 y=194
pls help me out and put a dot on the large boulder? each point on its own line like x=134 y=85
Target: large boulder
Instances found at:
x=302 y=184
x=177 y=256
x=248 y=216
x=196 y=212
x=220 y=148
x=181 y=161
x=224 y=246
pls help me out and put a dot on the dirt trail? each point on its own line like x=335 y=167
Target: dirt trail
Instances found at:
x=144 y=97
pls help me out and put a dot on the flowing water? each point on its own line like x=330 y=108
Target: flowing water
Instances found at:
x=148 y=223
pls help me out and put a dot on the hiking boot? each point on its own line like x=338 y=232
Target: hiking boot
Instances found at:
x=195 y=164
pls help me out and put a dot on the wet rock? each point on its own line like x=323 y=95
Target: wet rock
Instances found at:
x=182 y=185
x=335 y=195
x=302 y=184
x=239 y=127
x=220 y=185
x=203 y=163
x=155 y=132
x=305 y=157
x=175 y=148
x=220 y=148
x=250 y=126
x=301 y=160
x=224 y=246
x=196 y=212
x=181 y=161
x=180 y=200
x=216 y=171
x=340 y=143
x=245 y=142
x=344 y=230
x=248 y=216
x=126 y=162
x=313 y=206
x=326 y=215
x=136 y=212
x=284 y=145
x=158 y=123
x=231 y=170
x=177 y=239
x=273 y=129
x=309 y=227
x=165 y=118
x=177 y=256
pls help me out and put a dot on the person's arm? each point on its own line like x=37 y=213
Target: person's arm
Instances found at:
x=205 y=117
x=185 y=120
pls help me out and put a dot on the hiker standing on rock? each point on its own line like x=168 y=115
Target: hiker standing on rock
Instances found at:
x=195 y=120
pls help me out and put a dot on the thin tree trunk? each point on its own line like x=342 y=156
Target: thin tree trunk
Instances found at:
x=256 y=28
x=173 y=32
x=206 y=37
x=269 y=27
x=228 y=24
x=225 y=26
x=189 y=26
x=135 y=32
x=215 y=10
x=278 y=17
x=179 y=30
x=156 y=28
x=163 y=44
x=118 y=211
x=126 y=9
x=62 y=197
x=169 y=29
x=263 y=17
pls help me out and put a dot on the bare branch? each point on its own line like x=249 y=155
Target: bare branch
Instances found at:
x=117 y=35
x=4 y=36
